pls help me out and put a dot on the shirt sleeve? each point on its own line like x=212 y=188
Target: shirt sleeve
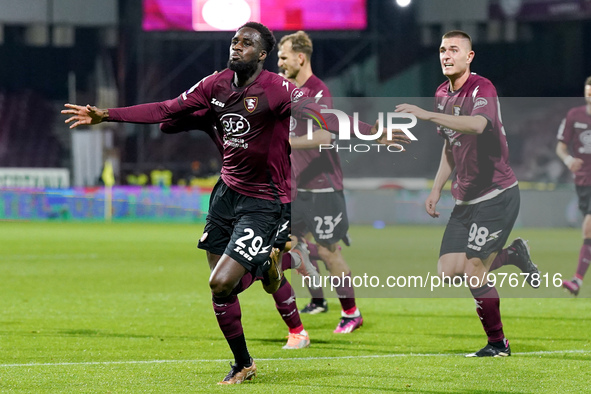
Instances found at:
x=290 y=100
x=565 y=130
x=198 y=120
x=147 y=113
x=192 y=100
x=485 y=102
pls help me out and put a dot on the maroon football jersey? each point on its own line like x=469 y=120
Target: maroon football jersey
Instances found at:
x=481 y=161
x=311 y=168
x=575 y=131
x=254 y=121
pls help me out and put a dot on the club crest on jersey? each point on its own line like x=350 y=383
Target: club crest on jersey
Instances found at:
x=250 y=103
x=457 y=110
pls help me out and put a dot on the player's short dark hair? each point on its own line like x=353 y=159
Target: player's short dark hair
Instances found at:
x=458 y=34
x=266 y=35
x=588 y=81
x=300 y=42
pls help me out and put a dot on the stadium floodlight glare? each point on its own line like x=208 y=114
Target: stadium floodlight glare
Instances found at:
x=403 y=3
x=217 y=15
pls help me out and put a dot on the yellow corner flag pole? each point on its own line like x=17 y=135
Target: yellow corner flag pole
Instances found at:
x=109 y=180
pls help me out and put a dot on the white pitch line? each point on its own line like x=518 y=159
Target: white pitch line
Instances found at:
x=540 y=353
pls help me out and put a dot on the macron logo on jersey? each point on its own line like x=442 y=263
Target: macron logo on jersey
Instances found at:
x=318 y=96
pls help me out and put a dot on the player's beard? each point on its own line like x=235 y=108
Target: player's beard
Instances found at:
x=245 y=69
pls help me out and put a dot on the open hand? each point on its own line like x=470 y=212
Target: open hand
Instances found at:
x=84 y=115
x=414 y=110
x=398 y=137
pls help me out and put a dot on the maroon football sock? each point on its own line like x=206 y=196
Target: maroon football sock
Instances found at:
x=584 y=258
x=286 y=263
x=488 y=309
x=228 y=314
x=313 y=249
x=318 y=293
x=245 y=282
x=499 y=261
x=346 y=293
x=286 y=305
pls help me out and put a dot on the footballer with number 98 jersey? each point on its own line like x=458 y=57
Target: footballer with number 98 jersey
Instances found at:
x=482 y=168
x=484 y=186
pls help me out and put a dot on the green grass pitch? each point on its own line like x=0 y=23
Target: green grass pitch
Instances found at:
x=125 y=308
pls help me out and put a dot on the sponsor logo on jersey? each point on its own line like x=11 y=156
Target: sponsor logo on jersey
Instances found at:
x=250 y=103
x=448 y=132
x=452 y=136
x=235 y=125
x=296 y=95
x=454 y=142
x=580 y=125
x=480 y=102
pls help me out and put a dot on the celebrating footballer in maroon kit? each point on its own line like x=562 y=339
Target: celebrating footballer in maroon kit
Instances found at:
x=284 y=297
x=484 y=187
x=318 y=178
x=478 y=175
x=251 y=107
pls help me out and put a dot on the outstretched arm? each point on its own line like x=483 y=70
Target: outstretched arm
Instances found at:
x=332 y=120
x=319 y=137
x=198 y=120
x=142 y=113
x=465 y=124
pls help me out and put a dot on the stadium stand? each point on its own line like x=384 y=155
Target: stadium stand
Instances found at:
x=26 y=138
